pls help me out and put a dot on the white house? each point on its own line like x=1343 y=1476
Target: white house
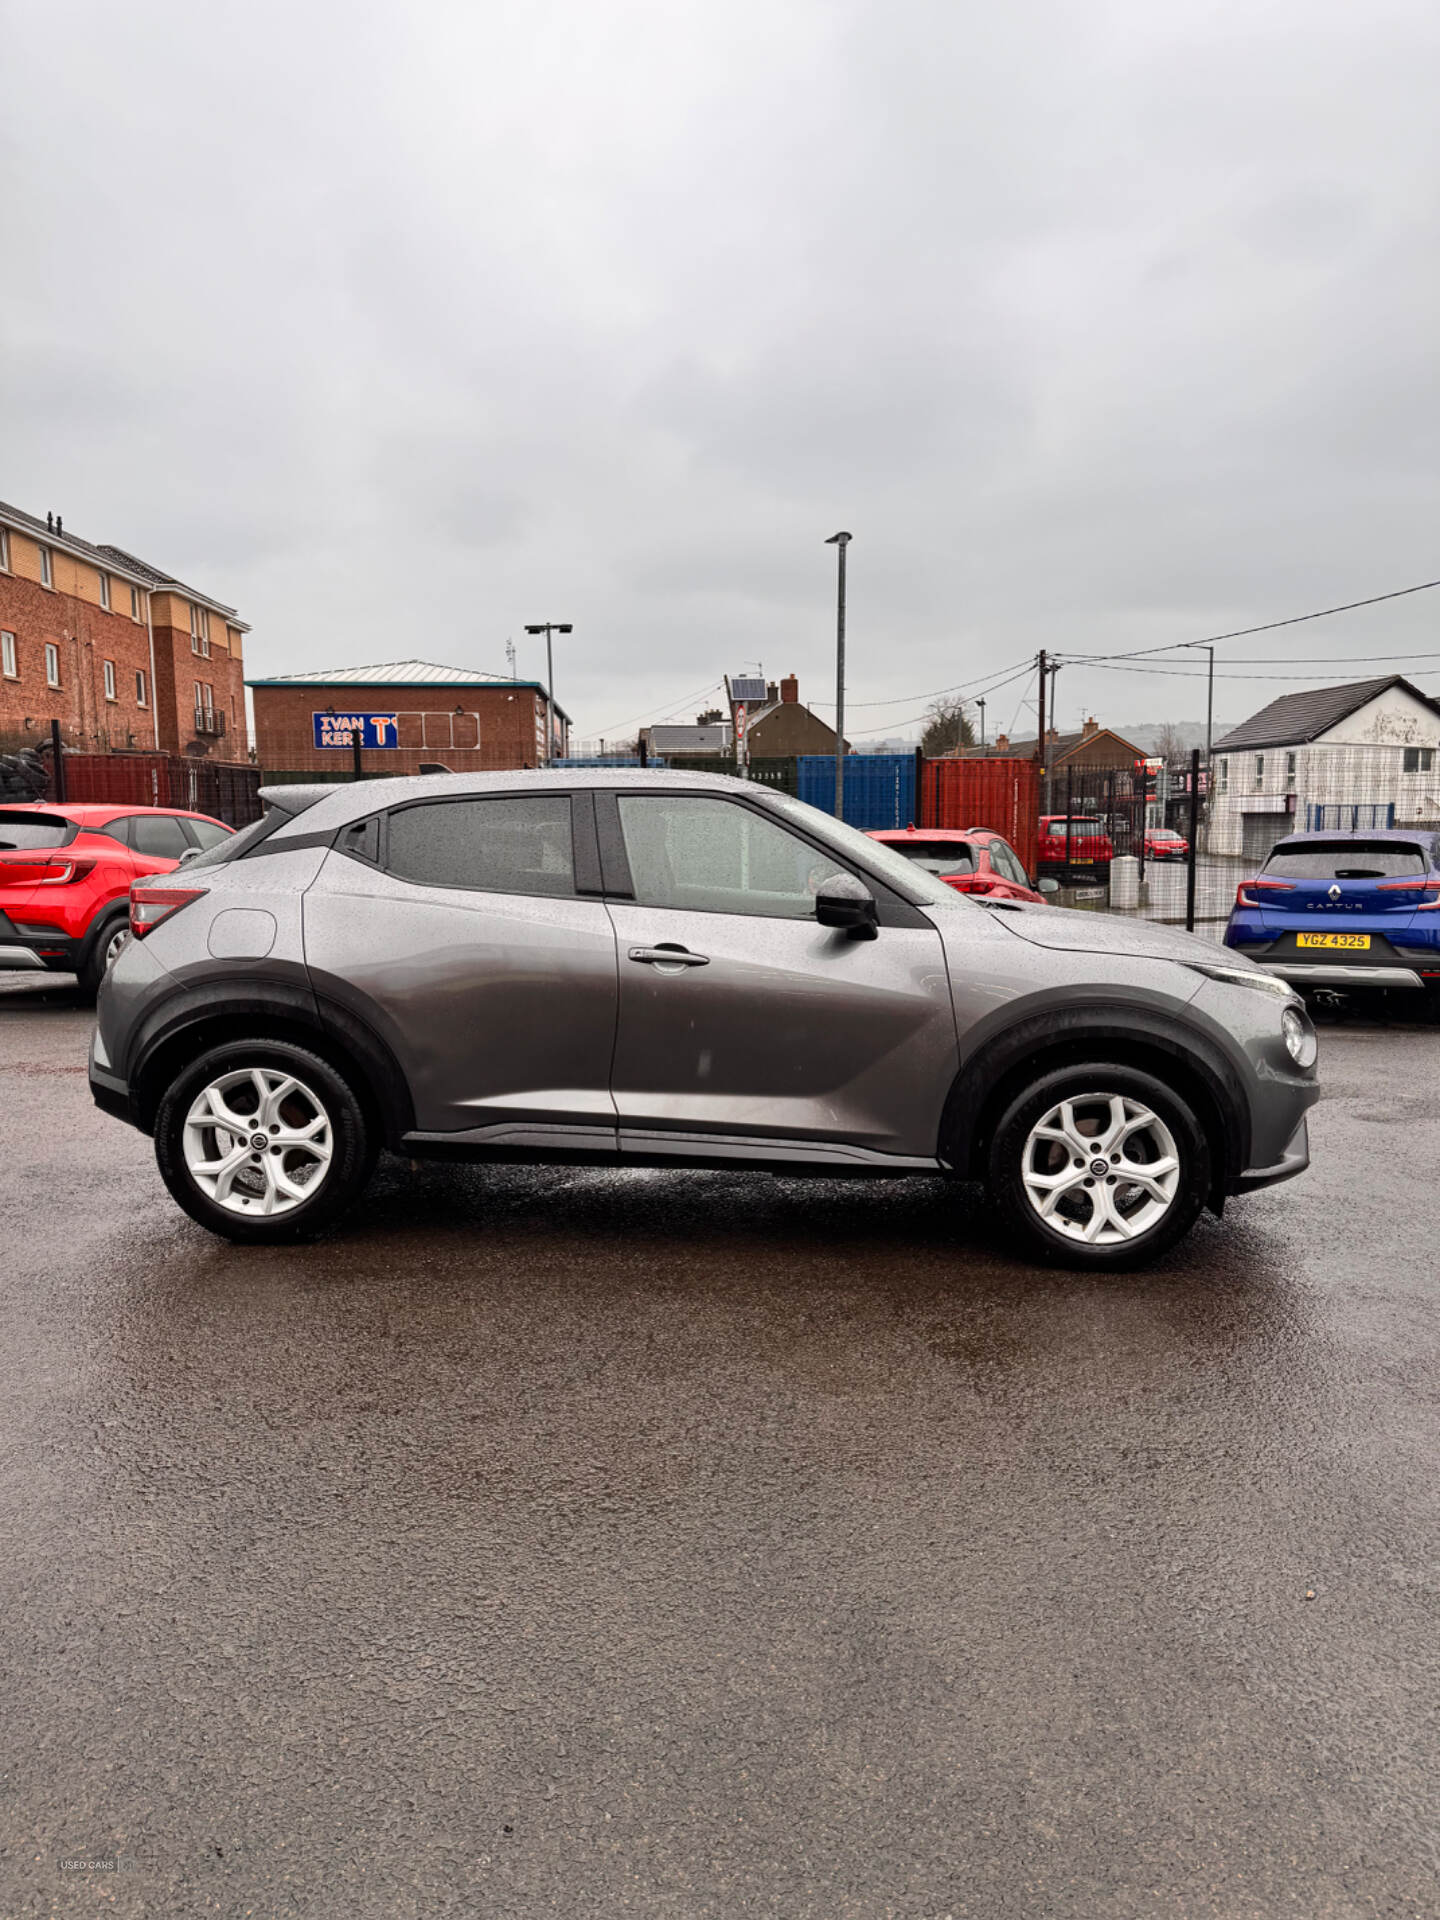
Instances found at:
x=1362 y=755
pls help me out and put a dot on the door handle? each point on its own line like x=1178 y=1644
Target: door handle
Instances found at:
x=669 y=957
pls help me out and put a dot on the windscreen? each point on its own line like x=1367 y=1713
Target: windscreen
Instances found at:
x=1347 y=860
x=21 y=831
x=909 y=877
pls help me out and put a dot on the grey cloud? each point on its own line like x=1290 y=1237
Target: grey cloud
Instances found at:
x=1097 y=326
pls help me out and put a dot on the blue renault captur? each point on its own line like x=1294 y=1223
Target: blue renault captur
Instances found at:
x=1346 y=912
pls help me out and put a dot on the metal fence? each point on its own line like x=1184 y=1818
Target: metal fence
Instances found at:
x=1121 y=841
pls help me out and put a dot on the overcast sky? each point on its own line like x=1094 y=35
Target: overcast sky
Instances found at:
x=398 y=326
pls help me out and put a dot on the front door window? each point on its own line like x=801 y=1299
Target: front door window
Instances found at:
x=701 y=855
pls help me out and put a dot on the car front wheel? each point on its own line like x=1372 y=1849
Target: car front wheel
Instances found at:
x=1100 y=1166
x=263 y=1141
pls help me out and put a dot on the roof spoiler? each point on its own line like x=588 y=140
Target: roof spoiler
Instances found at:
x=293 y=800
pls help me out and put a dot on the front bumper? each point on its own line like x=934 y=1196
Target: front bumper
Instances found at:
x=1295 y=1159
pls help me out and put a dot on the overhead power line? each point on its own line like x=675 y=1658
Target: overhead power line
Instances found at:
x=619 y=726
x=1270 y=626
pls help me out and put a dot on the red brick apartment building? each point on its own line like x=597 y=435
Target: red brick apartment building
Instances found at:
x=406 y=711
x=122 y=655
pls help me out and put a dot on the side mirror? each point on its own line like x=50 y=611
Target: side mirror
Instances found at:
x=1047 y=886
x=844 y=901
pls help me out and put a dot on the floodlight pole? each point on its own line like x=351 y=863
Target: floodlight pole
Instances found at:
x=549 y=627
x=841 y=541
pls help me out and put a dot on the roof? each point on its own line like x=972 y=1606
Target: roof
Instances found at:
x=929 y=833
x=1296 y=718
x=1430 y=836
x=401 y=673
x=1060 y=746
x=113 y=560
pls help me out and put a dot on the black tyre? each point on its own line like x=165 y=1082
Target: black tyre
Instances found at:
x=101 y=948
x=263 y=1141
x=1100 y=1166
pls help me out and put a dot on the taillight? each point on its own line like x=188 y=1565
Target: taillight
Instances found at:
x=149 y=906
x=42 y=869
x=1247 y=887
x=1414 y=886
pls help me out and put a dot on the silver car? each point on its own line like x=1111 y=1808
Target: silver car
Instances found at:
x=665 y=969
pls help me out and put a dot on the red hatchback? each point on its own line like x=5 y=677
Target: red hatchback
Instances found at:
x=972 y=861
x=65 y=877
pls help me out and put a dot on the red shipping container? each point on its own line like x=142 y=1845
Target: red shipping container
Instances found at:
x=998 y=793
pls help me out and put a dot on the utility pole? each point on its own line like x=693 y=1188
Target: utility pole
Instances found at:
x=980 y=703
x=549 y=627
x=1040 y=739
x=842 y=541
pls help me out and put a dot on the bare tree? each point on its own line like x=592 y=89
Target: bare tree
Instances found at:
x=947 y=727
x=1170 y=745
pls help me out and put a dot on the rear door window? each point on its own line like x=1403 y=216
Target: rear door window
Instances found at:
x=516 y=845
x=1347 y=860
x=158 y=836
x=21 y=831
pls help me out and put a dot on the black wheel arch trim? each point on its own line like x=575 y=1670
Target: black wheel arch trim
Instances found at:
x=331 y=1030
x=1045 y=1039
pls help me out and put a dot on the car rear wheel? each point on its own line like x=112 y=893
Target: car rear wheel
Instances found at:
x=263 y=1141
x=102 y=952
x=1099 y=1166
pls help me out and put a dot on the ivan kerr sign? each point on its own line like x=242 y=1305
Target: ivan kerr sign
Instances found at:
x=374 y=729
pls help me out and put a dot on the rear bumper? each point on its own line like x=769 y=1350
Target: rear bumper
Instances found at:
x=1310 y=973
x=1295 y=1159
x=31 y=953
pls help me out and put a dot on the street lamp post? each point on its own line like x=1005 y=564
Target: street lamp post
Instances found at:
x=981 y=704
x=840 y=540
x=549 y=627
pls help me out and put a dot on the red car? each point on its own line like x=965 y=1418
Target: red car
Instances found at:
x=972 y=860
x=1163 y=843
x=1087 y=846
x=65 y=876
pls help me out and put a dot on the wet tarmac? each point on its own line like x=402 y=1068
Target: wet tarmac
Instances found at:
x=590 y=1543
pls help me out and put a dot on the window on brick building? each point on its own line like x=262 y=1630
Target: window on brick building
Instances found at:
x=105 y=591
x=52 y=664
x=204 y=707
x=199 y=630
x=4 y=550
x=1419 y=759
x=47 y=568
x=139 y=688
x=7 y=657
x=135 y=613
x=110 y=680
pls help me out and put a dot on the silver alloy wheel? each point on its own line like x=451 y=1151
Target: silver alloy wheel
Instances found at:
x=257 y=1140
x=1101 y=1168
x=113 y=946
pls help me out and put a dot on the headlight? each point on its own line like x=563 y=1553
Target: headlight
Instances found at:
x=1243 y=977
x=1299 y=1037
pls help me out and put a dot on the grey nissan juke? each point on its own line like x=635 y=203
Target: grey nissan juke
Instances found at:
x=680 y=970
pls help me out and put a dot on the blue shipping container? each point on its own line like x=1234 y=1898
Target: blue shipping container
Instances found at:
x=879 y=788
